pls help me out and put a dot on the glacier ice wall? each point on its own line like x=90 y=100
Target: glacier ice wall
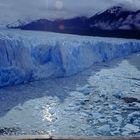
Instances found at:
x=27 y=56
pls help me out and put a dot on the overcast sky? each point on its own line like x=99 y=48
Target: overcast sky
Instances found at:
x=11 y=10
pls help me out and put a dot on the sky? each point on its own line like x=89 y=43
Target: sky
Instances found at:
x=12 y=10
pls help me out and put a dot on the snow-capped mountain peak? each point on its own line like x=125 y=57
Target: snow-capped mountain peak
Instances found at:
x=115 y=10
x=19 y=22
x=116 y=18
x=113 y=19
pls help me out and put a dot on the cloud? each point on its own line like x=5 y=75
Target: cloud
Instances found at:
x=129 y=4
x=11 y=10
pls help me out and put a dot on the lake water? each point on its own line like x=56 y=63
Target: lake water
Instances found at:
x=90 y=103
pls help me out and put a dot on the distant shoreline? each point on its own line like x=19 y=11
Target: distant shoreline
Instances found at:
x=129 y=34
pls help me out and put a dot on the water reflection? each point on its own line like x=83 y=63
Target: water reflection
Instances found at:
x=47 y=115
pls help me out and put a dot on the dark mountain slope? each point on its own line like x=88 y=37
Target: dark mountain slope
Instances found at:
x=114 y=22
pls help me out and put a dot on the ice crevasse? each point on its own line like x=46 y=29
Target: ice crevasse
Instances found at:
x=28 y=56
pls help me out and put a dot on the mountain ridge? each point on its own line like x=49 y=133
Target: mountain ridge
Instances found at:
x=115 y=19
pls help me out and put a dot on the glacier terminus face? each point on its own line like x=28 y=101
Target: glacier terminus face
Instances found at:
x=28 y=56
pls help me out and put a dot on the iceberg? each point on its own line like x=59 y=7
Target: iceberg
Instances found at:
x=28 y=55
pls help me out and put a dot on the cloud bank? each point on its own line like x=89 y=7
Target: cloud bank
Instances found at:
x=12 y=10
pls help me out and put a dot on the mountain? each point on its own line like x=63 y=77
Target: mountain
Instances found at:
x=74 y=25
x=116 y=18
x=115 y=21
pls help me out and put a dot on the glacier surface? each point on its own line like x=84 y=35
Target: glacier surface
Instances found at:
x=28 y=56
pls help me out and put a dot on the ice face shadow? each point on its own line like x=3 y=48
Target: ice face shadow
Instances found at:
x=61 y=87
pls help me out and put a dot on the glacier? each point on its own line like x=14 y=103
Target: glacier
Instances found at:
x=29 y=56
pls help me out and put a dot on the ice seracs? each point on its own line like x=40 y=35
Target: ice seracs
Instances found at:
x=27 y=56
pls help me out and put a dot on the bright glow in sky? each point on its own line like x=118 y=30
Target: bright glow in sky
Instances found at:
x=11 y=10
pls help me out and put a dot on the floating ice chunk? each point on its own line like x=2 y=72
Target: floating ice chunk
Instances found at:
x=131 y=128
x=104 y=129
x=96 y=115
